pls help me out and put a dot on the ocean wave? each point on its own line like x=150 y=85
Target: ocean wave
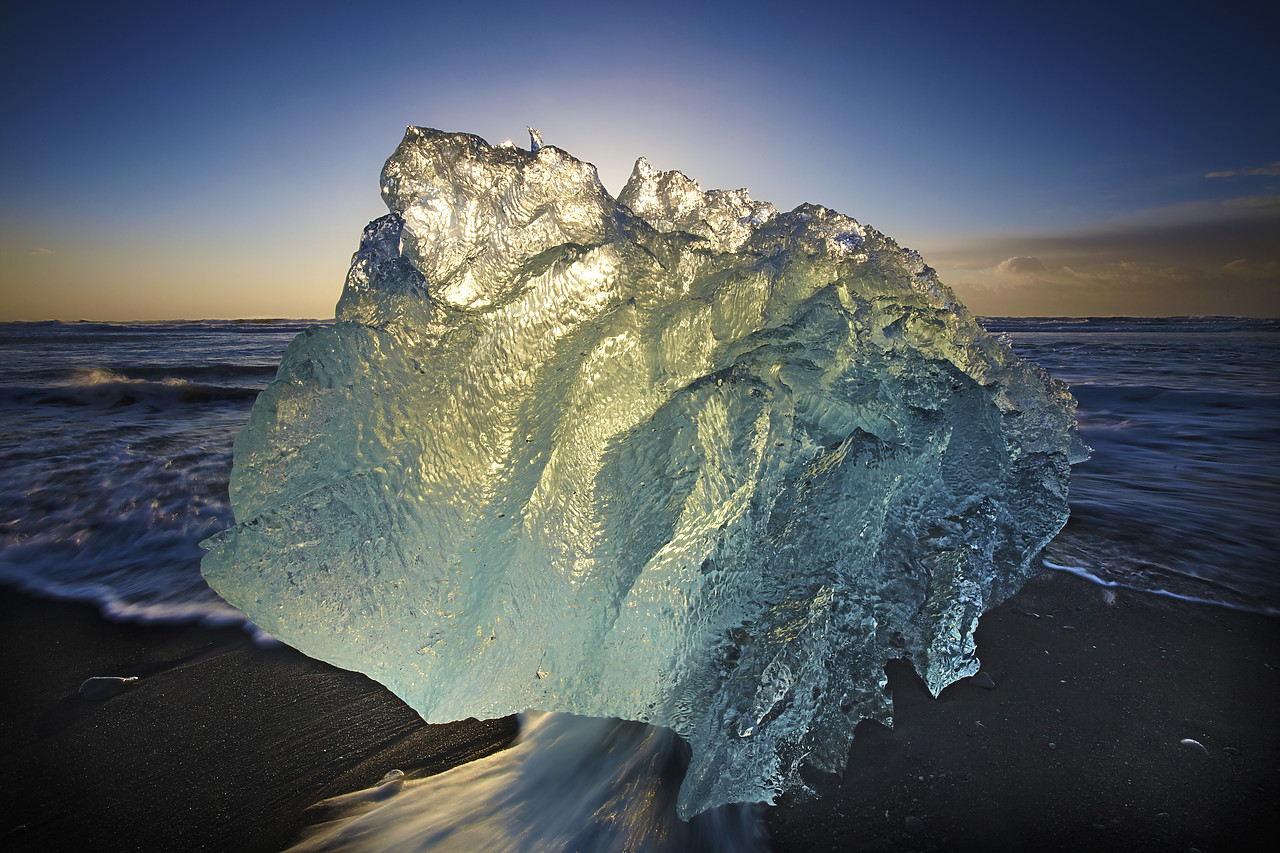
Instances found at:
x=108 y=507
x=1163 y=399
x=216 y=373
x=207 y=612
x=90 y=332
x=1131 y=325
x=106 y=389
x=233 y=373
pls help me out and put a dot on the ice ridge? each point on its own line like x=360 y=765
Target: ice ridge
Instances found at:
x=675 y=457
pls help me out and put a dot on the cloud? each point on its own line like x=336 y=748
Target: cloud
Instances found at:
x=1255 y=202
x=1237 y=211
x=1269 y=170
x=39 y=251
x=1247 y=267
x=1218 y=256
x=1125 y=287
x=1209 y=243
x=1020 y=264
x=1227 y=266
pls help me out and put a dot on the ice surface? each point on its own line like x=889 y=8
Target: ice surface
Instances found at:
x=675 y=457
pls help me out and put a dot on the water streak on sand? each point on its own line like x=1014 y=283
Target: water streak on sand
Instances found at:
x=568 y=784
x=1092 y=578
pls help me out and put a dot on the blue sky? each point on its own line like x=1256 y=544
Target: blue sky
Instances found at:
x=219 y=160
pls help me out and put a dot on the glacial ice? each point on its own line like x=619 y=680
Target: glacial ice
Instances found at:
x=675 y=457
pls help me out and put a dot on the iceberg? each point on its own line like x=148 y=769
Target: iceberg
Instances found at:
x=675 y=457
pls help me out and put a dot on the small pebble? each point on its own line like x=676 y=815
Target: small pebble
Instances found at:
x=1194 y=745
x=104 y=687
x=915 y=825
x=1053 y=745
x=985 y=681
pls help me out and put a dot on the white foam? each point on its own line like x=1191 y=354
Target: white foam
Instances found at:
x=570 y=783
x=1092 y=578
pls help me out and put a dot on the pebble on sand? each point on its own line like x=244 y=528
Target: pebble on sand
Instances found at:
x=104 y=687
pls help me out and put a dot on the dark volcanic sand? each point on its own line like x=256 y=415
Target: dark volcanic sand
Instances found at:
x=221 y=745
x=1078 y=747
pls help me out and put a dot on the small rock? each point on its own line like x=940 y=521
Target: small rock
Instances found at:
x=985 y=681
x=1194 y=745
x=104 y=687
x=1053 y=745
x=915 y=825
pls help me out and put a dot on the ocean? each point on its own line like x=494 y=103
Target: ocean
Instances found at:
x=116 y=446
x=1182 y=492
x=115 y=441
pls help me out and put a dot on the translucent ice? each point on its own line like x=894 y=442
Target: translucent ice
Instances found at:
x=675 y=457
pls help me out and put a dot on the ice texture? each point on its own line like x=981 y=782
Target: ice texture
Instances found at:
x=674 y=457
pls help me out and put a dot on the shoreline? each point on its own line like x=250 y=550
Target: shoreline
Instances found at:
x=223 y=744
x=1079 y=745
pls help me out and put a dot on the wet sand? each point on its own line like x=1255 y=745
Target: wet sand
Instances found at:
x=222 y=745
x=1079 y=744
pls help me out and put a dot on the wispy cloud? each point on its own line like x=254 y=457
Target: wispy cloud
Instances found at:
x=1269 y=170
x=1230 y=211
x=1020 y=264
x=1248 y=267
x=1213 y=266
x=38 y=251
x=1242 y=287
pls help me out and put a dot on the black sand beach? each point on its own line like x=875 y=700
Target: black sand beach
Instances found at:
x=1079 y=746
x=222 y=745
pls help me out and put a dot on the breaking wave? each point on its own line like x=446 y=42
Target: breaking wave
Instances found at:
x=105 y=388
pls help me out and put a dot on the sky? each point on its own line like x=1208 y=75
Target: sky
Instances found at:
x=219 y=160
